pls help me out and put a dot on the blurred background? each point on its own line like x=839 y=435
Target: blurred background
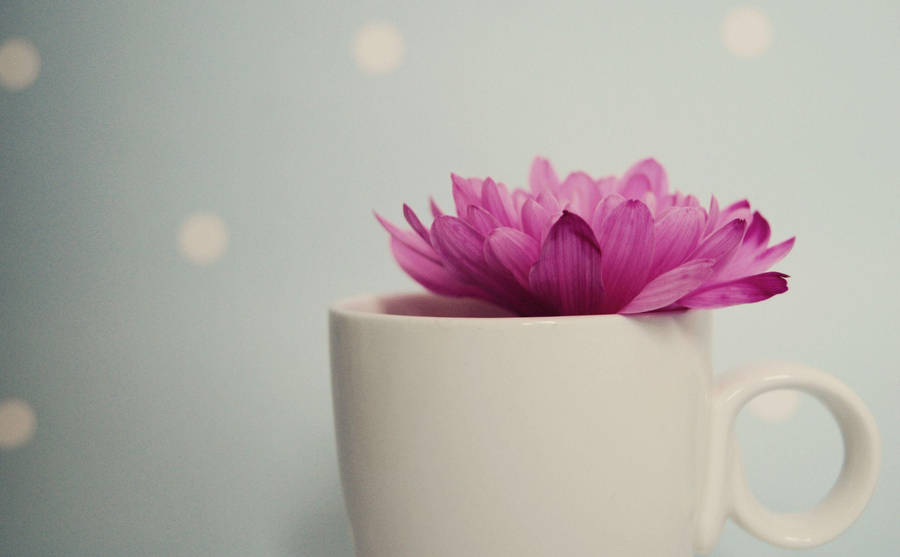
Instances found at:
x=186 y=186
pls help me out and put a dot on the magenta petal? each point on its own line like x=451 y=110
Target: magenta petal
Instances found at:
x=429 y=273
x=645 y=176
x=626 y=240
x=481 y=220
x=460 y=246
x=466 y=191
x=511 y=250
x=547 y=200
x=603 y=210
x=722 y=244
x=740 y=291
x=670 y=286
x=435 y=210
x=758 y=232
x=415 y=223
x=774 y=254
x=712 y=220
x=408 y=238
x=677 y=235
x=756 y=263
x=497 y=202
x=542 y=176
x=567 y=274
x=535 y=220
x=737 y=210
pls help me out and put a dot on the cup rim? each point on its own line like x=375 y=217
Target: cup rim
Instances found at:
x=352 y=307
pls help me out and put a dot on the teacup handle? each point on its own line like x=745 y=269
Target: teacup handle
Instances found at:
x=726 y=491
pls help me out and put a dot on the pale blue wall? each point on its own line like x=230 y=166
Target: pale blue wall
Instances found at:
x=184 y=409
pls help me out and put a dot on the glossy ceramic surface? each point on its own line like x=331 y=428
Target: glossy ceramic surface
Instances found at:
x=464 y=432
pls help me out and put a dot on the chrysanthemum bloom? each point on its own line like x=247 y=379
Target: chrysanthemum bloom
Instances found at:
x=585 y=246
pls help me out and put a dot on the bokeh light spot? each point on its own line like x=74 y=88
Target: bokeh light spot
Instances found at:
x=202 y=238
x=17 y=423
x=20 y=64
x=378 y=48
x=747 y=32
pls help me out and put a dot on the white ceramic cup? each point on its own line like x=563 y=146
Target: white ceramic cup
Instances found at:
x=463 y=433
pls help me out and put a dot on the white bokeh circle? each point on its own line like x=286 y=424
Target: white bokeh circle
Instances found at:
x=775 y=406
x=747 y=32
x=17 y=423
x=202 y=238
x=20 y=63
x=378 y=48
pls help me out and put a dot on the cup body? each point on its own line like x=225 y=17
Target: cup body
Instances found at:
x=518 y=437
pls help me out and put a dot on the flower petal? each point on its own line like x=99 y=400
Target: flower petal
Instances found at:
x=462 y=249
x=435 y=210
x=495 y=199
x=466 y=191
x=429 y=273
x=481 y=220
x=670 y=286
x=644 y=176
x=740 y=291
x=712 y=219
x=756 y=263
x=542 y=176
x=567 y=274
x=535 y=220
x=603 y=210
x=737 y=210
x=513 y=251
x=408 y=238
x=415 y=223
x=758 y=233
x=677 y=234
x=626 y=240
x=722 y=244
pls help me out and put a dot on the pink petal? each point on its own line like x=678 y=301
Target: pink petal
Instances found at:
x=542 y=176
x=535 y=220
x=758 y=232
x=740 y=291
x=547 y=200
x=435 y=210
x=645 y=176
x=415 y=223
x=756 y=263
x=722 y=244
x=466 y=191
x=626 y=241
x=737 y=210
x=670 y=286
x=606 y=185
x=481 y=220
x=497 y=202
x=567 y=274
x=582 y=192
x=429 y=273
x=408 y=238
x=774 y=254
x=603 y=210
x=677 y=234
x=511 y=250
x=462 y=249
x=712 y=219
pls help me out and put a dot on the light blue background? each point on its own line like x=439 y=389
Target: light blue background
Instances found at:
x=185 y=410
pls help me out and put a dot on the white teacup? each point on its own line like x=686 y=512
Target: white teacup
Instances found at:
x=466 y=433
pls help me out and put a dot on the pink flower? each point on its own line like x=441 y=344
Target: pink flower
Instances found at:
x=585 y=246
